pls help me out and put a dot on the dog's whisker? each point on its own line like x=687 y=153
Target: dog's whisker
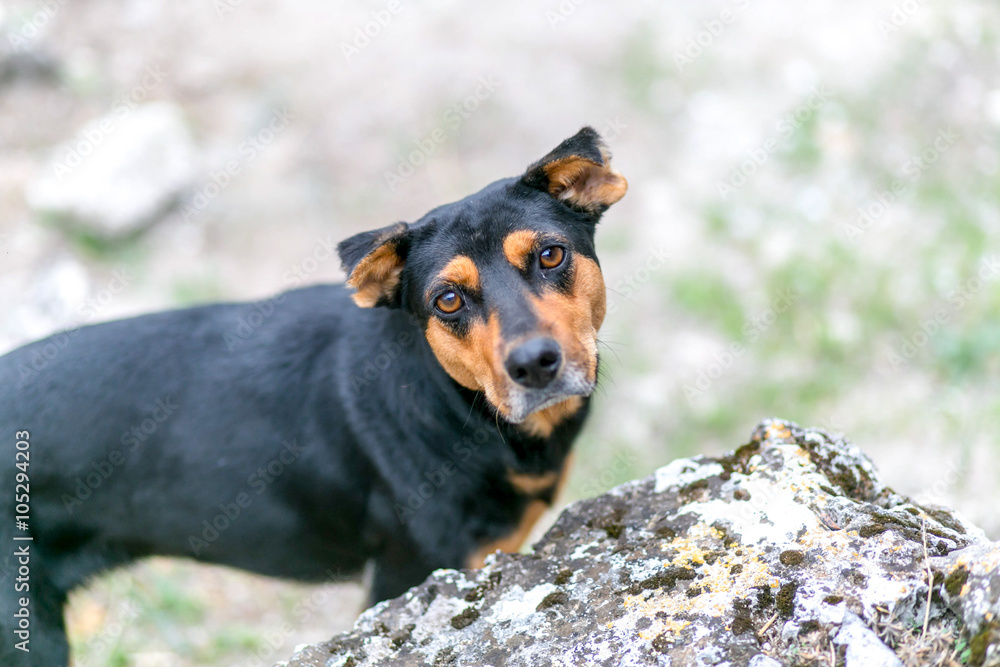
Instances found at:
x=611 y=350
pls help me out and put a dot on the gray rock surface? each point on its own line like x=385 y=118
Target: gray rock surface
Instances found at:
x=787 y=551
x=120 y=172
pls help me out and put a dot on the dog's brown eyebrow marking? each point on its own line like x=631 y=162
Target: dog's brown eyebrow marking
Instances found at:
x=518 y=246
x=462 y=272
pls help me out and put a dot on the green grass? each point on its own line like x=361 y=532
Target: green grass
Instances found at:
x=198 y=289
x=708 y=297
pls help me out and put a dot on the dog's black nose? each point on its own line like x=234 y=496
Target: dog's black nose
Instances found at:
x=534 y=363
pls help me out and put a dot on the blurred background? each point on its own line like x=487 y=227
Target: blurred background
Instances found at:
x=811 y=232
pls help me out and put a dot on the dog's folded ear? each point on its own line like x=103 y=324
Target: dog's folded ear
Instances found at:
x=374 y=263
x=578 y=172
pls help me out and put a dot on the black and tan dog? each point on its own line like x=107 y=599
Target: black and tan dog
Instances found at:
x=425 y=429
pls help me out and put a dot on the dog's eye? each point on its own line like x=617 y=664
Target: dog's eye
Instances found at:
x=449 y=302
x=552 y=257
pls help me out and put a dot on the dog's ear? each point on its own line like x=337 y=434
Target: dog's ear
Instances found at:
x=578 y=172
x=374 y=262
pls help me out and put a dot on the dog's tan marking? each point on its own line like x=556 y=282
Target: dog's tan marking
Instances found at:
x=564 y=475
x=584 y=183
x=473 y=361
x=573 y=319
x=461 y=271
x=377 y=275
x=512 y=542
x=543 y=422
x=532 y=485
x=519 y=246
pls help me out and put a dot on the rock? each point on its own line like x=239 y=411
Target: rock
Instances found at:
x=32 y=65
x=120 y=173
x=788 y=551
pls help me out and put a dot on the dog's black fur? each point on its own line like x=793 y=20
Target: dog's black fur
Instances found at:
x=304 y=437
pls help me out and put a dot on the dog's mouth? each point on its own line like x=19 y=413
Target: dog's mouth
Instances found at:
x=523 y=402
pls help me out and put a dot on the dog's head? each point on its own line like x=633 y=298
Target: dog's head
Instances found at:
x=505 y=282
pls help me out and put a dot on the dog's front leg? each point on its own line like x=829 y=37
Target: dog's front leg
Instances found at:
x=396 y=570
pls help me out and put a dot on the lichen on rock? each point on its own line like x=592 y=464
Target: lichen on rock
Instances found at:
x=787 y=551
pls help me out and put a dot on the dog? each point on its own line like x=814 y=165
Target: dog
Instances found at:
x=420 y=417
